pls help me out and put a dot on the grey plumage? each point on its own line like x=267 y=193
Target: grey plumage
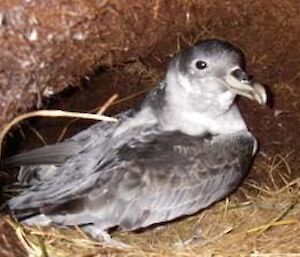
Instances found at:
x=185 y=147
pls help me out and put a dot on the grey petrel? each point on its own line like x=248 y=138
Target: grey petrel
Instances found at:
x=185 y=147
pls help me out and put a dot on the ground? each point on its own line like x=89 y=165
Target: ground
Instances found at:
x=262 y=217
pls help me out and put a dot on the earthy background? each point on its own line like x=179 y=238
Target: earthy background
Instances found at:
x=98 y=48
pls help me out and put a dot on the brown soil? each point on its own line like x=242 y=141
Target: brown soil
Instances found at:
x=268 y=32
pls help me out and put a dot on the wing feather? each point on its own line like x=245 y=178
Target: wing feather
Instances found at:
x=150 y=181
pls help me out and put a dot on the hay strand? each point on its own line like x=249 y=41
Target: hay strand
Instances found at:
x=52 y=114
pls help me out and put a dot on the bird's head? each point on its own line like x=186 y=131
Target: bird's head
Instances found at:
x=213 y=67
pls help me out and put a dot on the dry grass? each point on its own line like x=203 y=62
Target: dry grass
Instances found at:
x=259 y=220
x=49 y=113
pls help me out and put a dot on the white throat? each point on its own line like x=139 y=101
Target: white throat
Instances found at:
x=194 y=112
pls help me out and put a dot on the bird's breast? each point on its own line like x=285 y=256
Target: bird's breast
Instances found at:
x=194 y=123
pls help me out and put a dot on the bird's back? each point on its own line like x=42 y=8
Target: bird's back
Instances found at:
x=159 y=178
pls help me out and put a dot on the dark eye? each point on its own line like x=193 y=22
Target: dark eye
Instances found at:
x=201 y=65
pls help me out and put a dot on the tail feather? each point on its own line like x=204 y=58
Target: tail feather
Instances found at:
x=49 y=154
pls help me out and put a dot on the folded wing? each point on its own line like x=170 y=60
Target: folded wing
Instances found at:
x=147 y=181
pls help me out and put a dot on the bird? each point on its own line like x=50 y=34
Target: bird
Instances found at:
x=183 y=148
